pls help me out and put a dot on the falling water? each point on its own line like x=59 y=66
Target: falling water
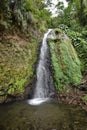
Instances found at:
x=44 y=83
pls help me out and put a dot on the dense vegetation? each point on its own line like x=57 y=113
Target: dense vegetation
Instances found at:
x=73 y=21
x=23 y=14
x=22 y=24
x=74 y=16
x=66 y=64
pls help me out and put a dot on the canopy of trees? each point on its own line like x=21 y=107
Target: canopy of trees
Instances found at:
x=23 y=13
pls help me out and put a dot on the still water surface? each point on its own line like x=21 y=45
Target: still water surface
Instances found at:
x=47 y=116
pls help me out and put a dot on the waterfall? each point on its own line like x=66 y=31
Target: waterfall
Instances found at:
x=44 y=82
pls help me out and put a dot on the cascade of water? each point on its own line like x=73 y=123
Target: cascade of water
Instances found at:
x=43 y=83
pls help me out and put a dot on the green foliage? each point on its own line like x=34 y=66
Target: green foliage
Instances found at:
x=3 y=25
x=74 y=16
x=16 y=68
x=66 y=65
x=24 y=13
x=29 y=5
x=79 y=42
x=18 y=18
x=78 y=8
x=29 y=19
x=3 y=5
x=84 y=98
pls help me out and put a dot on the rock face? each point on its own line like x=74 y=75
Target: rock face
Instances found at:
x=66 y=64
x=17 y=58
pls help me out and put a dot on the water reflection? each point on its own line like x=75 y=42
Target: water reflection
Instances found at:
x=47 y=116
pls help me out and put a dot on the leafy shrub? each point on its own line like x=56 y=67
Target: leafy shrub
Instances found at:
x=66 y=64
x=84 y=98
x=3 y=25
x=79 y=41
x=18 y=17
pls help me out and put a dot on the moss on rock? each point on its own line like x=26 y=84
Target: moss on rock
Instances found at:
x=66 y=64
x=17 y=59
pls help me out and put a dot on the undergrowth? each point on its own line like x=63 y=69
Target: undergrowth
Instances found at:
x=66 y=64
x=16 y=65
x=79 y=41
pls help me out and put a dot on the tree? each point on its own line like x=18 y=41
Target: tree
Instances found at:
x=80 y=9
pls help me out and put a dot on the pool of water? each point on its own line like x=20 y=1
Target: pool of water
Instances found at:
x=47 y=116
